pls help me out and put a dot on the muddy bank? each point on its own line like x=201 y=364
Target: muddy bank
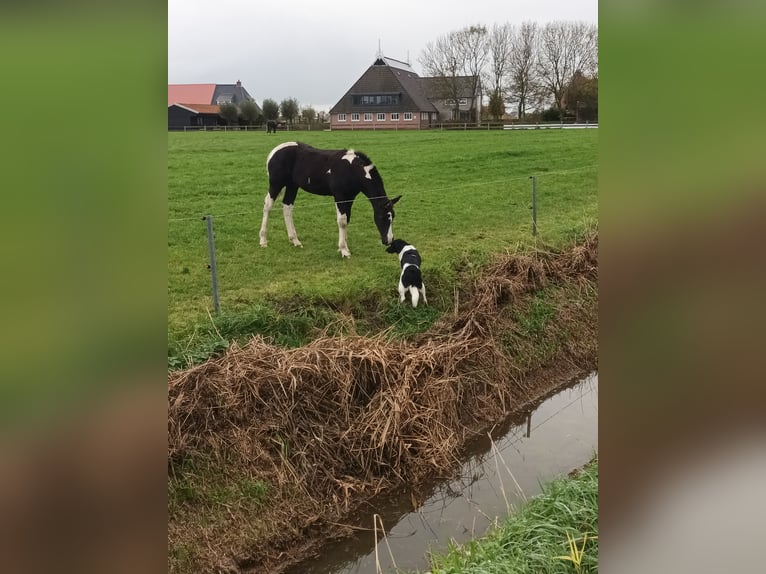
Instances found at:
x=270 y=448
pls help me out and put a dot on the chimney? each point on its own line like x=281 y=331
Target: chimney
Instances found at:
x=239 y=84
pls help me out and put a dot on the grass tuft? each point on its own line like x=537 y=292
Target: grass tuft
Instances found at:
x=536 y=539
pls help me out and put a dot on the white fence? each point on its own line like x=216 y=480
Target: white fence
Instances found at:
x=548 y=126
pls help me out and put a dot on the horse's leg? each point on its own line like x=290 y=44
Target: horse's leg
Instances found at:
x=267 y=203
x=343 y=216
x=423 y=293
x=402 y=291
x=287 y=209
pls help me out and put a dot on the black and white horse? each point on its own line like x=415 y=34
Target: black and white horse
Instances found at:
x=340 y=173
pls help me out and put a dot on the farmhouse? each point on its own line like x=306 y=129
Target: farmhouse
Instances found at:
x=199 y=104
x=391 y=95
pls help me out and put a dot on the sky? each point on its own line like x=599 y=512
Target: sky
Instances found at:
x=315 y=51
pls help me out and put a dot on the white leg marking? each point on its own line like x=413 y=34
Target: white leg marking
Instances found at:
x=342 y=222
x=423 y=292
x=414 y=296
x=267 y=203
x=402 y=291
x=287 y=210
x=275 y=150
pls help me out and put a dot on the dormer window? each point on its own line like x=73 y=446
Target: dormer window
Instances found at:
x=376 y=99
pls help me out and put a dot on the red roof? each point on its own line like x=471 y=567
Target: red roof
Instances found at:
x=200 y=108
x=191 y=93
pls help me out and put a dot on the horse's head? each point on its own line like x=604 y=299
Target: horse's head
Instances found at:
x=384 y=219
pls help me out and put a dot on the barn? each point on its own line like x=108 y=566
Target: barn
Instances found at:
x=198 y=104
x=181 y=116
x=391 y=95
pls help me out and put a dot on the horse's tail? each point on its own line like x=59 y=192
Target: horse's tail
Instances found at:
x=414 y=295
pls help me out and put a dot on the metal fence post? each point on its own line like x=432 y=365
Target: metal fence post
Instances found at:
x=534 y=204
x=212 y=266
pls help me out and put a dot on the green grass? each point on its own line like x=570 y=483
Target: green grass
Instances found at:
x=535 y=538
x=465 y=196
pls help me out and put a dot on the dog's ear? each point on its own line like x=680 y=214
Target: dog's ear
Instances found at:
x=394 y=200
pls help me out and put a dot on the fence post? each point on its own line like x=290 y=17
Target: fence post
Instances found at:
x=212 y=266
x=534 y=204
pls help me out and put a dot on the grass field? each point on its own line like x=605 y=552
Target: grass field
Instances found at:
x=465 y=196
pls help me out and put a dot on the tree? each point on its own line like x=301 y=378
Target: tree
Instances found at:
x=453 y=60
x=475 y=46
x=499 y=44
x=270 y=109
x=521 y=66
x=442 y=61
x=496 y=107
x=581 y=97
x=309 y=114
x=289 y=109
x=249 y=112
x=566 y=47
x=229 y=112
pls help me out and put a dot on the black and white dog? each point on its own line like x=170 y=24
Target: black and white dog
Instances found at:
x=410 y=279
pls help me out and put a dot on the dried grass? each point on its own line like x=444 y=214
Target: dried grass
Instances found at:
x=349 y=415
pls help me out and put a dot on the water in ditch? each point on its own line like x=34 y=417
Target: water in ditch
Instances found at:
x=558 y=436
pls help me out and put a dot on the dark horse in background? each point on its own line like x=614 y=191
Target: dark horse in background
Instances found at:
x=271 y=127
x=340 y=173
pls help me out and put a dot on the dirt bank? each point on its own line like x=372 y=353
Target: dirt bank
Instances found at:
x=269 y=448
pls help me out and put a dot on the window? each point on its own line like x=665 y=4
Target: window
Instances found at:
x=407 y=116
x=424 y=115
x=341 y=117
x=368 y=117
x=354 y=117
x=376 y=99
x=395 y=116
x=381 y=117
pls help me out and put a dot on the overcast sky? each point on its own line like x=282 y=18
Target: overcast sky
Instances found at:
x=313 y=50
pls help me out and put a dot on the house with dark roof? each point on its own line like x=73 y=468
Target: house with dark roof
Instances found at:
x=391 y=95
x=199 y=103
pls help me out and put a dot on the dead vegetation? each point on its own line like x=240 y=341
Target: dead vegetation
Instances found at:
x=336 y=421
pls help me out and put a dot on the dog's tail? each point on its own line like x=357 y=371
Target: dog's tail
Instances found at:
x=414 y=295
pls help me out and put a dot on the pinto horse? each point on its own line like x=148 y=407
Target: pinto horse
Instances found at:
x=340 y=173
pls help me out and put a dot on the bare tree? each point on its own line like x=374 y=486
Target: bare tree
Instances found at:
x=474 y=44
x=455 y=62
x=521 y=66
x=565 y=48
x=499 y=44
x=443 y=61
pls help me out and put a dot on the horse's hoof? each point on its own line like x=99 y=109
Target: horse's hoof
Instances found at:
x=345 y=255
x=264 y=244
